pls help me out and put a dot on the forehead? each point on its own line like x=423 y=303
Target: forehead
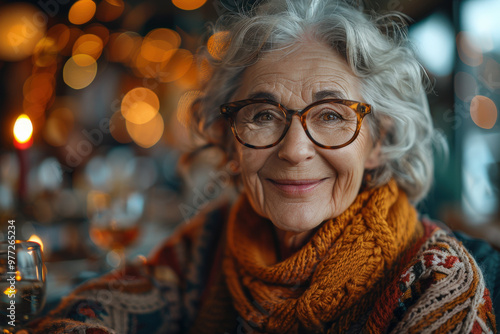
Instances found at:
x=305 y=70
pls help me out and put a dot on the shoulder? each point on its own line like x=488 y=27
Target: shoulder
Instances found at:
x=441 y=289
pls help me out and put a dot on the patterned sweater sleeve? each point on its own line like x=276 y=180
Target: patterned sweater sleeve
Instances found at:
x=441 y=290
x=142 y=298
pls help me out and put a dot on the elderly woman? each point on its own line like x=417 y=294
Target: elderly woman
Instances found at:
x=321 y=112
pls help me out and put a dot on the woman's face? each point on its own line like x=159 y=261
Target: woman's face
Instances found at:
x=296 y=184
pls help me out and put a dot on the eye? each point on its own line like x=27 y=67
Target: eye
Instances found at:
x=329 y=115
x=264 y=116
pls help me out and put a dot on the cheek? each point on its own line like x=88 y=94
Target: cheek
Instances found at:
x=251 y=162
x=346 y=162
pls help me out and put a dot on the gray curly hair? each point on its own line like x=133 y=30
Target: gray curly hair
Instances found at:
x=374 y=46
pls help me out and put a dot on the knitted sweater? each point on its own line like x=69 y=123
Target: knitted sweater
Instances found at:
x=440 y=280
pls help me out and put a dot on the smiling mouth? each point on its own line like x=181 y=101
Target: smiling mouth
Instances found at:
x=296 y=187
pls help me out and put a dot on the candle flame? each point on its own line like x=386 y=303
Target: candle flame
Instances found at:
x=23 y=129
x=36 y=238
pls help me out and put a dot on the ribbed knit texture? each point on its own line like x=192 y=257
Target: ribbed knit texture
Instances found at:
x=336 y=271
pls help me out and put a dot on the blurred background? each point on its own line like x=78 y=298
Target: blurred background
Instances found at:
x=93 y=96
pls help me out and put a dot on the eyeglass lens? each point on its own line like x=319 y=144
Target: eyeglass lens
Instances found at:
x=329 y=123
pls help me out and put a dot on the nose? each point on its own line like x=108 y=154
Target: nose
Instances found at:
x=296 y=147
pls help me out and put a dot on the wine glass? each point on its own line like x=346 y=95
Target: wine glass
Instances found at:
x=114 y=223
x=22 y=284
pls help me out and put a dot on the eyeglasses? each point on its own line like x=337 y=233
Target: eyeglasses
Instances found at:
x=263 y=123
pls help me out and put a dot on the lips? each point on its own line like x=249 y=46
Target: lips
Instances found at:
x=295 y=187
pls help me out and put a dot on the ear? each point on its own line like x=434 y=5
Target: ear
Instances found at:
x=374 y=159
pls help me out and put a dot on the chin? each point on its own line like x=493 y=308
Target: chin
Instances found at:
x=296 y=224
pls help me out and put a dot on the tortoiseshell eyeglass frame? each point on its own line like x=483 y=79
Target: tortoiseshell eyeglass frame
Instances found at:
x=229 y=110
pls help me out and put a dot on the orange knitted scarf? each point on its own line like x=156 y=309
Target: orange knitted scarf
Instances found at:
x=333 y=279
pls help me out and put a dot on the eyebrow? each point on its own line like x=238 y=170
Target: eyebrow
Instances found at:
x=262 y=95
x=328 y=94
x=323 y=94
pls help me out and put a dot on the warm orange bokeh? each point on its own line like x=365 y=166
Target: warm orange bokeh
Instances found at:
x=179 y=63
x=34 y=110
x=140 y=105
x=121 y=46
x=217 y=44
x=45 y=53
x=87 y=44
x=148 y=134
x=21 y=28
x=109 y=10
x=58 y=126
x=158 y=42
x=74 y=34
x=100 y=31
x=483 y=112
x=60 y=34
x=143 y=67
x=39 y=88
x=188 y=4
x=189 y=80
x=82 y=11
x=77 y=76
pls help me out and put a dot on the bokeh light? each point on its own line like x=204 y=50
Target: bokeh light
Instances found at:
x=121 y=46
x=39 y=88
x=179 y=63
x=217 y=44
x=158 y=42
x=189 y=81
x=483 y=112
x=82 y=11
x=45 y=53
x=143 y=67
x=74 y=34
x=138 y=16
x=60 y=34
x=109 y=10
x=77 y=76
x=188 y=4
x=100 y=31
x=58 y=126
x=148 y=134
x=23 y=129
x=87 y=44
x=468 y=50
x=434 y=38
x=34 y=110
x=140 y=105
x=480 y=19
x=22 y=26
